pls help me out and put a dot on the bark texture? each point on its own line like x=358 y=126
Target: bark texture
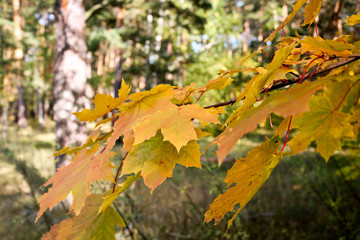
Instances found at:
x=70 y=74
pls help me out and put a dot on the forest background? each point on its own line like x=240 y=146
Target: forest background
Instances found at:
x=147 y=43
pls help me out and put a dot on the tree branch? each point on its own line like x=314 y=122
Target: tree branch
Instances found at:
x=288 y=82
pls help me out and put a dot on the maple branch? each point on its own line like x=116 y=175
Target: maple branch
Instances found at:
x=118 y=171
x=288 y=82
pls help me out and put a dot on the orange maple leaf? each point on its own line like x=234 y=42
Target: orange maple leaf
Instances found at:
x=77 y=178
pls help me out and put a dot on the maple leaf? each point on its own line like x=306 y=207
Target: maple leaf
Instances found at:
x=324 y=122
x=330 y=47
x=77 y=178
x=244 y=179
x=104 y=104
x=296 y=8
x=89 y=224
x=353 y=19
x=175 y=124
x=311 y=11
x=257 y=83
x=356 y=118
x=92 y=139
x=219 y=83
x=141 y=104
x=189 y=155
x=156 y=159
x=285 y=103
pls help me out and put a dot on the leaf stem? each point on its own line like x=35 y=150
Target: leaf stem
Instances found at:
x=287 y=134
x=202 y=92
x=118 y=171
x=266 y=53
x=307 y=66
x=316 y=29
x=184 y=99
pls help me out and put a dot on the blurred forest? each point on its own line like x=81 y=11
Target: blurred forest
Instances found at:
x=56 y=54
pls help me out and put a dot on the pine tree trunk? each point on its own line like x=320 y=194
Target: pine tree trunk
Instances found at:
x=119 y=59
x=19 y=54
x=70 y=74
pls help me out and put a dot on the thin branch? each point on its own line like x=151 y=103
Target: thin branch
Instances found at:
x=118 y=171
x=289 y=82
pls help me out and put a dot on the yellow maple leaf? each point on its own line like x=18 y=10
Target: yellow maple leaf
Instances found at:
x=89 y=224
x=356 y=118
x=104 y=104
x=219 y=83
x=353 y=19
x=296 y=8
x=77 y=178
x=330 y=47
x=311 y=11
x=244 y=179
x=257 y=83
x=189 y=155
x=285 y=103
x=324 y=123
x=175 y=124
x=160 y=159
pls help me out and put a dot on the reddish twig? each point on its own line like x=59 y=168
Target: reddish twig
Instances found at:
x=289 y=82
x=352 y=40
x=118 y=171
x=302 y=75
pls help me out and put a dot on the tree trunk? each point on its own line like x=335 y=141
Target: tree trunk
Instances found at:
x=70 y=74
x=19 y=54
x=119 y=59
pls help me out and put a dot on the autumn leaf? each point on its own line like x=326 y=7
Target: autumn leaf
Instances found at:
x=356 y=118
x=94 y=137
x=219 y=83
x=296 y=8
x=175 y=124
x=353 y=19
x=89 y=224
x=324 y=122
x=189 y=155
x=104 y=104
x=244 y=179
x=141 y=104
x=285 y=103
x=156 y=159
x=77 y=178
x=311 y=11
x=330 y=47
x=257 y=84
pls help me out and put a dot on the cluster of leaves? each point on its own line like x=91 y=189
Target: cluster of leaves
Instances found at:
x=161 y=127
